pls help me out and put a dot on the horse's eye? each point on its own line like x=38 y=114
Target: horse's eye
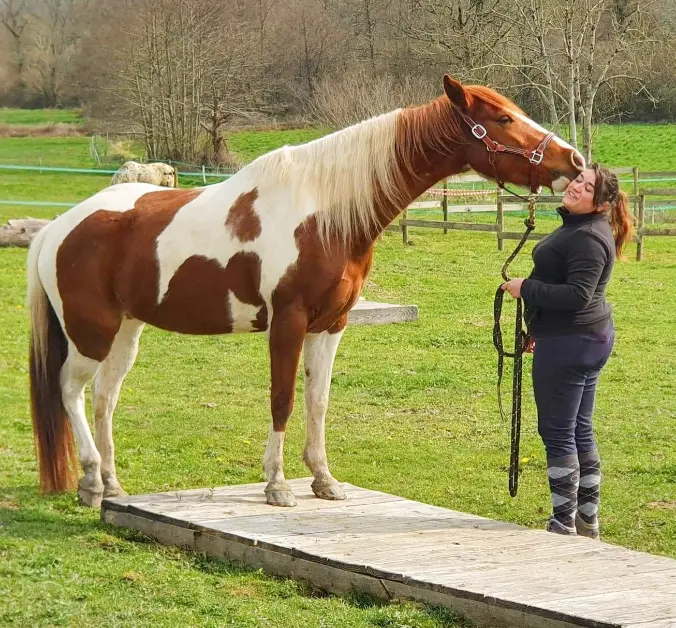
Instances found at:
x=504 y=120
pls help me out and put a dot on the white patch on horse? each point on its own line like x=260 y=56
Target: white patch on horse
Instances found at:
x=198 y=229
x=542 y=130
x=243 y=314
x=319 y=353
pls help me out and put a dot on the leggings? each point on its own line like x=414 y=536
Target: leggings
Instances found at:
x=566 y=369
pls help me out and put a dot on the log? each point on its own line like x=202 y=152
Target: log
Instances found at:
x=20 y=232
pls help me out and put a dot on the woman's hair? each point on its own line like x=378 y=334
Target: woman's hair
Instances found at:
x=607 y=190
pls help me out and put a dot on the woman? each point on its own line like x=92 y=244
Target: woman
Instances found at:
x=572 y=334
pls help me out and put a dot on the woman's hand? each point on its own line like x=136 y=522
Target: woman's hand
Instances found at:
x=513 y=286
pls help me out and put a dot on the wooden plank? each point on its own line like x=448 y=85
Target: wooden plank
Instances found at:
x=658 y=232
x=516 y=235
x=444 y=204
x=372 y=313
x=424 y=205
x=494 y=572
x=547 y=200
x=20 y=232
x=640 y=227
x=651 y=175
x=635 y=190
x=438 y=224
x=500 y=219
x=658 y=191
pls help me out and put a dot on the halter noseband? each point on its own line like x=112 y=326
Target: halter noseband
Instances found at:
x=534 y=157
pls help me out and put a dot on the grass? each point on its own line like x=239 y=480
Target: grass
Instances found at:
x=250 y=144
x=38 y=116
x=421 y=396
x=413 y=412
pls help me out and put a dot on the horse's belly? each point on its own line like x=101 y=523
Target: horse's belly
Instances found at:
x=205 y=298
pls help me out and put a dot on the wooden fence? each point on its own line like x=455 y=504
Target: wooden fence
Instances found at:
x=503 y=203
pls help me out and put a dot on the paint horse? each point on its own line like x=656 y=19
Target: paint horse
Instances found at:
x=283 y=247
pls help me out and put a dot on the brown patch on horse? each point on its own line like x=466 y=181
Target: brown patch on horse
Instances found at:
x=242 y=220
x=107 y=268
x=197 y=299
x=324 y=283
x=103 y=249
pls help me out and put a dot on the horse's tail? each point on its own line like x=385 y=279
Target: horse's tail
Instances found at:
x=47 y=354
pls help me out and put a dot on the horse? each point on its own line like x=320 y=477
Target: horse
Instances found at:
x=283 y=247
x=155 y=173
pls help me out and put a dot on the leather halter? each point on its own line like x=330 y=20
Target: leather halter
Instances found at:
x=533 y=156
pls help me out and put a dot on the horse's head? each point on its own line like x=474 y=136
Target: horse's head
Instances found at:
x=507 y=145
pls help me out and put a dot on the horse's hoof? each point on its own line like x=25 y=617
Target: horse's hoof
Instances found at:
x=328 y=490
x=90 y=491
x=280 y=497
x=89 y=498
x=114 y=490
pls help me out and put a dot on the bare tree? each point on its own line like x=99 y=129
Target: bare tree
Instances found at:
x=14 y=17
x=54 y=35
x=184 y=70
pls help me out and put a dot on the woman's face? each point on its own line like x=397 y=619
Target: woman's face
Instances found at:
x=579 y=195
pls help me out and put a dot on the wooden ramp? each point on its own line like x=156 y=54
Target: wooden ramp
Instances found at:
x=372 y=313
x=497 y=574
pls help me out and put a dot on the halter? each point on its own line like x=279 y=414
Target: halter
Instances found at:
x=534 y=157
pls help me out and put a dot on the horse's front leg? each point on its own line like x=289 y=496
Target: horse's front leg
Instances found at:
x=319 y=354
x=287 y=332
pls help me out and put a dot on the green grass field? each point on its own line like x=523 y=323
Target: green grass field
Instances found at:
x=413 y=412
x=38 y=116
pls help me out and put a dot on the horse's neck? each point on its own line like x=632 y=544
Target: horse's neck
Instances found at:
x=425 y=160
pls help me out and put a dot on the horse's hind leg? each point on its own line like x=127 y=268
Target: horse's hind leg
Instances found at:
x=75 y=373
x=106 y=392
x=319 y=354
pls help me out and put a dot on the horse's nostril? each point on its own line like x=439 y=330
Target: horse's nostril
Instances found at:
x=578 y=160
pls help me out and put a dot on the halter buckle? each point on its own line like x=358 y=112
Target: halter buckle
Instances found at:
x=536 y=157
x=479 y=131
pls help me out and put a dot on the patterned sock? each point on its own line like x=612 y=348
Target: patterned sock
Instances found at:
x=589 y=493
x=564 y=479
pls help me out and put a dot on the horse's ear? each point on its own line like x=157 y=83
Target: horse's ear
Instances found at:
x=456 y=93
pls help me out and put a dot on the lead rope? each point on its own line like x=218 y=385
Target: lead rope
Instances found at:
x=519 y=346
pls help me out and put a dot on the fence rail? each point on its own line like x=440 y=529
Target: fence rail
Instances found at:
x=503 y=203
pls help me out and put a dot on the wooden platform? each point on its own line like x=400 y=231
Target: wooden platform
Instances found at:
x=495 y=573
x=372 y=313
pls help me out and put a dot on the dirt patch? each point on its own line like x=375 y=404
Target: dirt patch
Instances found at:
x=668 y=505
x=55 y=129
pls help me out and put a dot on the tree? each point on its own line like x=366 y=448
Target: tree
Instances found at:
x=53 y=38
x=14 y=17
x=574 y=49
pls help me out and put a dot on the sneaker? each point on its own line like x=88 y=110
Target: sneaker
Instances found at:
x=590 y=530
x=555 y=526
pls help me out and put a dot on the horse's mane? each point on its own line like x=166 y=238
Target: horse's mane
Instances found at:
x=346 y=172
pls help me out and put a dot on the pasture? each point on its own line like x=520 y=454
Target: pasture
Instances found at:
x=413 y=412
x=38 y=116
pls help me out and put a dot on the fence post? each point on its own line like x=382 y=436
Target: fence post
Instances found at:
x=404 y=227
x=636 y=201
x=444 y=203
x=500 y=219
x=641 y=225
